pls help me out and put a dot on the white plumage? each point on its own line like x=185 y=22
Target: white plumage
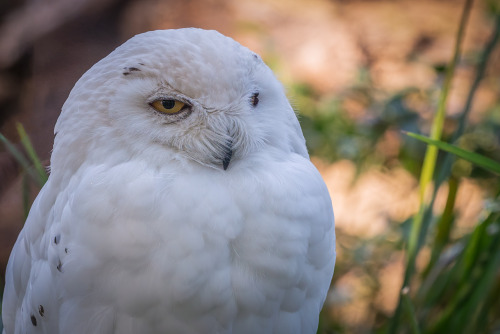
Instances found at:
x=181 y=200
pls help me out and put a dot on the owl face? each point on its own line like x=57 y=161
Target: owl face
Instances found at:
x=186 y=94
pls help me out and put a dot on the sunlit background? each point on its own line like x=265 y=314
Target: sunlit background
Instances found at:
x=357 y=72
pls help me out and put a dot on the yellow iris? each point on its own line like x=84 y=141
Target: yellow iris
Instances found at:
x=168 y=106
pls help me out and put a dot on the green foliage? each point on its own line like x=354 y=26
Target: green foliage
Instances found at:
x=32 y=167
x=475 y=158
x=458 y=289
x=333 y=133
x=455 y=297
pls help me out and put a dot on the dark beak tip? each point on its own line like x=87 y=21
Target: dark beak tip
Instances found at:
x=228 y=154
x=227 y=159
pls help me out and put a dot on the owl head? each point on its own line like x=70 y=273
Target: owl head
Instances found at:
x=177 y=96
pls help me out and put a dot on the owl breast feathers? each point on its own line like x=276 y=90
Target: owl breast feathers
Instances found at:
x=181 y=200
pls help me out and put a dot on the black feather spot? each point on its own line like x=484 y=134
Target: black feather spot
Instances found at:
x=57 y=238
x=66 y=250
x=59 y=266
x=41 y=310
x=128 y=70
x=33 y=320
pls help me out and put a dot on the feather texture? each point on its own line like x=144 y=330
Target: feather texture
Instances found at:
x=140 y=229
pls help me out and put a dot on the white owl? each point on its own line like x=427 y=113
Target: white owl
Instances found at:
x=181 y=200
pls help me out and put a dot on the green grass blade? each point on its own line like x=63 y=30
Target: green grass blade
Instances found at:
x=26 y=196
x=15 y=152
x=419 y=228
x=444 y=225
x=480 y=71
x=21 y=159
x=470 y=295
x=436 y=130
x=484 y=286
x=410 y=311
x=439 y=117
x=462 y=120
x=475 y=158
x=19 y=156
x=40 y=170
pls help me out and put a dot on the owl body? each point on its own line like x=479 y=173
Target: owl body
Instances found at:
x=207 y=220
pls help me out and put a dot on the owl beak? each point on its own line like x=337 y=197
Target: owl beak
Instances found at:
x=228 y=153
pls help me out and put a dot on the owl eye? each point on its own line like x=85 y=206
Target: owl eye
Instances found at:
x=168 y=106
x=254 y=100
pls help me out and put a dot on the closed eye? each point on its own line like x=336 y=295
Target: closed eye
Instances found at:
x=254 y=100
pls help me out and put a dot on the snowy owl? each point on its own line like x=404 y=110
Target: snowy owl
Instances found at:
x=181 y=200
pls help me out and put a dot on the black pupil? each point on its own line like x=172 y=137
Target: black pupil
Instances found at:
x=168 y=104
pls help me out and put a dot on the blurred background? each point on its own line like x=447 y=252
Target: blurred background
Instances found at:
x=358 y=72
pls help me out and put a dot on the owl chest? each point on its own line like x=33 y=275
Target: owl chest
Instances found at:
x=158 y=241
